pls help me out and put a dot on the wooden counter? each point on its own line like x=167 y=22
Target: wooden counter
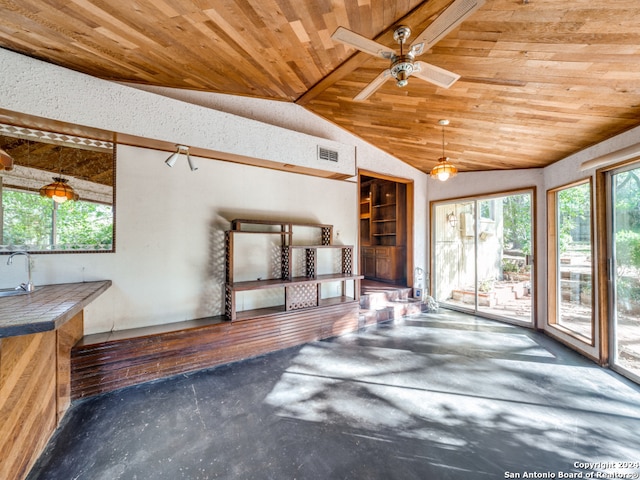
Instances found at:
x=48 y=308
x=37 y=332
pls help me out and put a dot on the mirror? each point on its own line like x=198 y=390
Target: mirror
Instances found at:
x=38 y=224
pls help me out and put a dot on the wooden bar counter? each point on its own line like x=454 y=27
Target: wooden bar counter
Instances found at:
x=37 y=332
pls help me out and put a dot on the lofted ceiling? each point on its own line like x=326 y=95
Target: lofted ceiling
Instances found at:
x=540 y=79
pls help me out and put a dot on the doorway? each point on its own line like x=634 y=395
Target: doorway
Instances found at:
x=386 y=229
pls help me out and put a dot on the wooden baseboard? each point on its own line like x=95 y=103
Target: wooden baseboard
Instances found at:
x=107 y=364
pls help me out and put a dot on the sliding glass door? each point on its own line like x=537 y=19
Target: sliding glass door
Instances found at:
x=624 y=214
x=570 y=251
x=482 y=259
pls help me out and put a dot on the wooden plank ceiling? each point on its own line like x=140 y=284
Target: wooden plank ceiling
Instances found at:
x=540 y=79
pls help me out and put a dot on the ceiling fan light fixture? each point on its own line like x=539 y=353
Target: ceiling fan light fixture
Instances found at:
x=59 y=191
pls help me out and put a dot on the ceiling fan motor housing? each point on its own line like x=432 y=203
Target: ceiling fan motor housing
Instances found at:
x=401 y=68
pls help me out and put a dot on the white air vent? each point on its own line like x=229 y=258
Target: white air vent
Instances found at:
x=326 y=154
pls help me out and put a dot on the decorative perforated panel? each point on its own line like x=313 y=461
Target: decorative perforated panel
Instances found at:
x=228 y=303
x=347 y=260
x=311 y=262
x=302 y=296
x=326 y=235
x=285 y=263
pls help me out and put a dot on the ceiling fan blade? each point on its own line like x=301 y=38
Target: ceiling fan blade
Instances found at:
x=449 y=19
x=373 y=86
x=436 y=75
x=363 y=44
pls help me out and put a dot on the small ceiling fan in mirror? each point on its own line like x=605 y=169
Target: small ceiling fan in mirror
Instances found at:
x=403 y=64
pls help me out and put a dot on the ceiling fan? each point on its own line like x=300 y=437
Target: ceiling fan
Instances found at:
x=404 y=65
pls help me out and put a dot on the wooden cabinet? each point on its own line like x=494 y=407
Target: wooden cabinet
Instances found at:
x=384 y=263
x=383 y=229
x=299 y=291
x=369 y=262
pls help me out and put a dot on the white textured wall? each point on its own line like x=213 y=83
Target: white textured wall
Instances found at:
x=296 y=118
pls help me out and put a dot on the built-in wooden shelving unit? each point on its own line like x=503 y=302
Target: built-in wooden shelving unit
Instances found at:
x=383 y=230
x=299 y=291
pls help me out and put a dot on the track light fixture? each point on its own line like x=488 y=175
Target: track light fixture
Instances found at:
x=444 y=170
x=173 y=158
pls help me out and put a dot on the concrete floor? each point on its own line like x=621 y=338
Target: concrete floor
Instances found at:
x=436 y=396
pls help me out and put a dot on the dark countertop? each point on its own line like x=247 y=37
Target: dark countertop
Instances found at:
x=48 y=308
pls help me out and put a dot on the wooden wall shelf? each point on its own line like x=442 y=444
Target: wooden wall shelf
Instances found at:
x=299 y=292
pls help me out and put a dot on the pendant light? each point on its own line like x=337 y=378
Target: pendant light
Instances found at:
x=59 y=191
x=444 y=170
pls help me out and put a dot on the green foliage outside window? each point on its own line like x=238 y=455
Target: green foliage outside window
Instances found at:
x=574 y=207
x=84 y=223
x=28 y=219
x=628 y=248
x=516 y=216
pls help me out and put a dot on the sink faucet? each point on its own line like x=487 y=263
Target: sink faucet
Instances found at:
x=27 y=287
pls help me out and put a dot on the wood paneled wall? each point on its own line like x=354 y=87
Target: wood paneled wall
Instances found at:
x=34 y=393
x=67 y=336
x=27 y=400
x=103 y=366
